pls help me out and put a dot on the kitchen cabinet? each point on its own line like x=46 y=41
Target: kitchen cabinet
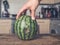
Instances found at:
x=44 y=26
x=55 y=26
x=5 y=26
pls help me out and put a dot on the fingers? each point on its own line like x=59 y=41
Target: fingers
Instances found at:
x=21 y=11
x=32 y=13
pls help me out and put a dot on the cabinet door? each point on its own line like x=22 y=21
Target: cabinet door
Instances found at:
x=5 y=26
x=55 y=25
x=44 y=26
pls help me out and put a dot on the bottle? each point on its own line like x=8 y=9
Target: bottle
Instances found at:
x=40 y=15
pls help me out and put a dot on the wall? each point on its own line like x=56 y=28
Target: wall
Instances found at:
x=14 y=5
x=56 y=1
x=47 y=1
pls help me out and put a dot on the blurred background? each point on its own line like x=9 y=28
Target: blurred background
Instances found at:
x=46 y=9
x=47 y=15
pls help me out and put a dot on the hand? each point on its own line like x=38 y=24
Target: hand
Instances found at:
x=31 y=5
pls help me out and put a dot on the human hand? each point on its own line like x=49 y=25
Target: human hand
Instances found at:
x=30 y=5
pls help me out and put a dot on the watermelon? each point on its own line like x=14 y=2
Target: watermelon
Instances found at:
x=25 y=27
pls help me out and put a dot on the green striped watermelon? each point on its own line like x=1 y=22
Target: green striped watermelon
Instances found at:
x=25 y=27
